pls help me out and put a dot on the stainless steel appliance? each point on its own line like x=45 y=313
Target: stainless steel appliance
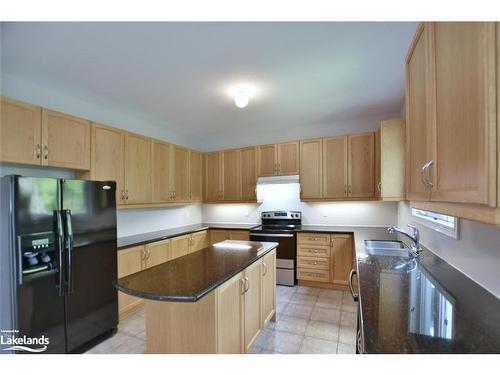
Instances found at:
x=280 y=226
x=58 y=260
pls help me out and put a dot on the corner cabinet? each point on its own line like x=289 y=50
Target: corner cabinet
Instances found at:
x=452 y=140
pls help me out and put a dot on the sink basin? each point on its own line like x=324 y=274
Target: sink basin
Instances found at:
x=387 y=248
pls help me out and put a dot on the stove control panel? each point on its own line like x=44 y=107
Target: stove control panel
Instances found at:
x=297 y=215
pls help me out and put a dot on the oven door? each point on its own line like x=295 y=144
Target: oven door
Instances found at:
x=285 y=255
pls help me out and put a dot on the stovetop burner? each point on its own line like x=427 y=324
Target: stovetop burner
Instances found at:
x=279 y=221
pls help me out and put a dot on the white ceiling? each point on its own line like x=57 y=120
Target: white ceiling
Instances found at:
x=315 y=78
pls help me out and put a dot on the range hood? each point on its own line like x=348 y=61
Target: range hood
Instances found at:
x=276 y=180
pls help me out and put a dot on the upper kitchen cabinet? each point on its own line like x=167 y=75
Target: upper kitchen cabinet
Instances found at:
x=390 y=159
x=213 y=176
x=267 y=160
x=20 y=132
x=195 y=175
x=180 y=173
x=137 y=169
x=335 y=167
x=248 y=171
x=66 y=141
x=108 y=158
x=361 y=162
x=451 y=117
x=230 y=175
x=278 y=159
x=311 y=169
x=161 y=172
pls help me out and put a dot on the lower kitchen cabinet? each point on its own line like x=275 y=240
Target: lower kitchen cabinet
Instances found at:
x=268 y=285
x=324 y=258
x=218 y=235
x=198 y=241
x=180 y=246
x=157 y=253
x=252 y=303
x=230 y=316
x=129 y=261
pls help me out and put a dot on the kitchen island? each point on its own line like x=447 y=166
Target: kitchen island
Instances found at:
x=216 y=300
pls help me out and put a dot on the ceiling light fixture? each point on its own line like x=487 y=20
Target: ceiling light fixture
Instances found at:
x=242 y=93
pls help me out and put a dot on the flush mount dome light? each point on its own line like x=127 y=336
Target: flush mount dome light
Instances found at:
x=242 y=93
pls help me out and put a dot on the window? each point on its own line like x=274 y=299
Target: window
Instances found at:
x=445 y=224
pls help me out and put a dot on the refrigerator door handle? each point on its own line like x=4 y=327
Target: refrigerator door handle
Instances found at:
x=60 y=252
x=69 y=249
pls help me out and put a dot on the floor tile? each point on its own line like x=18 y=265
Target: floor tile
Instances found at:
x=308 y=290
x=330 y=293
x=349 y=319
x=329 y=303
x=280 y=307
x=254 y=349
x=133 y=325
x=284 y=295
x=346 y=349
x=298 y=311
x=322 y=330
x=349 y=305
x=304 y=299
x=282 y=342
x=347 y=335
x=326 y=315
x=292 y=325
x=312 y=345
x=120 y=343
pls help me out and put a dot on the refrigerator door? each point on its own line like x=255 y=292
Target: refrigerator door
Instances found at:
x=89 y=218
x=40 y=308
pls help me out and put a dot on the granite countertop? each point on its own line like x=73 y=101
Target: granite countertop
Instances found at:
x=143 y=238
x=424 y=306
x=190 y=277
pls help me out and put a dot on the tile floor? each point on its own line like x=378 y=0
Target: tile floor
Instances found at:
x=309 y=321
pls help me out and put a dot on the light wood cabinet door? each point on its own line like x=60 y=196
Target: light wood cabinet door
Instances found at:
x=230 y=316
x=129 y=261
x=239 y=235
x=20 y=132
x=248 y=170
x=230 y=173
x=213 y=176
x=334 y=167
x=252 y=304
x=161 y=173
x=288 y=158
x=199 y=240
x=342 y=258
x=137 y=169
x=361 y=165
x=268 y=287
x=108 y=157
x=391 y=160
x=378 y=166
x=179 y=246
x=464 y=145
x=157 y=253
x=180 y=173
x=311 y=169
x=267 y=156
x=66 y=141
x=418 y=129
x=218 y=235
x=195 y=174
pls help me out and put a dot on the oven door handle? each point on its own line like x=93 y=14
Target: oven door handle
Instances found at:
x=271 y=235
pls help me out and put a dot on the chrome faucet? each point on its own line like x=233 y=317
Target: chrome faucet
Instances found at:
x=415 y=238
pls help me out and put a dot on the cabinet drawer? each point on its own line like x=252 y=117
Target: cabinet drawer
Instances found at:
x=314 y=238
x=314 y=251
x=313 y=275
x=311 y=262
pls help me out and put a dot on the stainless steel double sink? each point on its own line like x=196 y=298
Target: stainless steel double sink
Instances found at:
x=387 y=248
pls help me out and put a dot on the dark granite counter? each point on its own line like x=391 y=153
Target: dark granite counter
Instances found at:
x=424 y=306
x=190 y=277
x=143 y=238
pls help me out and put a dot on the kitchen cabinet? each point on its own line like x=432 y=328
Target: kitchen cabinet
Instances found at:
x=390 y=160
x=213 y=176
x=218 y=235
x=325 y=259
x=195 y=176
x=278 y=159
x=361 y=165
x=311 y=175
x=248 y=171
x=198 y=241
x=268 y=287
x=230 y=315
x=129 y=261
x=252 y=303
x=335 y=167
x=66 y=141
x=137 y=169
x=161 y=172
x=230 y=175
x=180 y=174
x=20 y=132
x=179 y=246
x=156 y=253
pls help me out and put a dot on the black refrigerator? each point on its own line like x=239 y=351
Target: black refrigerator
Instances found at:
x=58 y=263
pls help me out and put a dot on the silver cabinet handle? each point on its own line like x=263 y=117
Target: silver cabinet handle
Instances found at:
x=423 y=174
x=345 y=190
x=355 y=296
x=379 y=186
x=46 y=152
x=349 y=190
x=247 y=283
x=38 y=151
x=264 y=265
x=429 y=182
